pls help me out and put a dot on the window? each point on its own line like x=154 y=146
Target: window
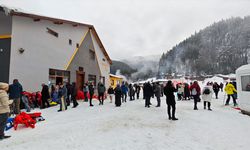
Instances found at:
x=103 y=59
x=70 y=42
x=92 y=78
x=52 y=32
x=58 y=76
x=245 y=83
x=91 y=54
x=112 y=82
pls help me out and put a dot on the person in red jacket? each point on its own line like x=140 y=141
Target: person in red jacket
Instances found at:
x=195 y=92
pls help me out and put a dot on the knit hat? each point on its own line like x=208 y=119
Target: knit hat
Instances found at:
x=3 y=85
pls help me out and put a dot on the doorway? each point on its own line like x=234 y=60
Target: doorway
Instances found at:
x=59 y=80
x=5 y=59
x=80 y=79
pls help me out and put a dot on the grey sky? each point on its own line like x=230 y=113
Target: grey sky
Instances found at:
x=139 y=27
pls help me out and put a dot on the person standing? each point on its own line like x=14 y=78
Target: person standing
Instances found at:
x=148 y=89
x=91 y=93
x=207 y=93
x=180 y=91
x=111 y=93
x=45 y=96
x=138 y=89
x=62 y=97
x=169 y=90
x=158 y=94
x=221 y=86
x=186 y=91
x=230 y=90
x=118 y=95
x=195 y=91
x=4 y=108
x=86 y=91
x=68 y=86
x=124 y=92
x=216 y=89
x=74 y=94
x=15 y=93
x=101 y=90
x=131 y=92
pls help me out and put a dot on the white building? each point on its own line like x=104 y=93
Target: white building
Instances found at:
x=36 y=49
x=243 y=87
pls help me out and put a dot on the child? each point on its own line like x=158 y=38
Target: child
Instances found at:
x=4 y=108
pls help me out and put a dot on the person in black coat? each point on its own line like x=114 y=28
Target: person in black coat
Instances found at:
x=216 y=89
x=148 y=92
x=169 y=90
x=118 y=95
x=45 y=96
x=74 y=94
x=68 y=86
x=91 y=93
x=137 y=89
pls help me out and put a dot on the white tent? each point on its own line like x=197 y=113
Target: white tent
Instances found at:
x=243 y=87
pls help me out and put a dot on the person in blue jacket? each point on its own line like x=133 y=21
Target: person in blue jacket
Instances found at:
x=124 y=92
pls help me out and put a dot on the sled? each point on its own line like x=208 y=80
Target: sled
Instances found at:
x=10 y=124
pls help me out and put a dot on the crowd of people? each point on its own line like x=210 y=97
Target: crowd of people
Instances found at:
x=65 y=94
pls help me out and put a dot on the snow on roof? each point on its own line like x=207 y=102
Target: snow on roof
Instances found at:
x=116 y=76
x=214 y=79
x=244 y=68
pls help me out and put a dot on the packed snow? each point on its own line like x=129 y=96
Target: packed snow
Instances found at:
x=132 y=127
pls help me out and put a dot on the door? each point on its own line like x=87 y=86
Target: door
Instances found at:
x=79 y=79
x=59 y=80
x=4 y=59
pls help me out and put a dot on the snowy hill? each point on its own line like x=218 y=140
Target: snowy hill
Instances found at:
x=220 y=48
x=147 y=66
x=134 y=127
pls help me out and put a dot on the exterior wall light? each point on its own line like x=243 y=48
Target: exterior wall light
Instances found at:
x=21 y=50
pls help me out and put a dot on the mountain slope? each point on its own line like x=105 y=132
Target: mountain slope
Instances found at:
x=147 y=66
x=219 y=48
x=124 y=68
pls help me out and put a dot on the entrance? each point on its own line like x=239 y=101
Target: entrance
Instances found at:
x=80 y=79
x=59 y=80
x=5 y=59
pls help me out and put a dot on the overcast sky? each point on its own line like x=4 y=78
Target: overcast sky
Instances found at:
x=139 y=27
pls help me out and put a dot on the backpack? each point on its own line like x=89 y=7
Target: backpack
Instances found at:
x=206 y=91
x=194 y=92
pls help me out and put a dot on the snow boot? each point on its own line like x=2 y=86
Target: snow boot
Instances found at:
x=174 y=119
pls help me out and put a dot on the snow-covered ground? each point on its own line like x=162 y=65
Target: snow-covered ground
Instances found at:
x=132 y=127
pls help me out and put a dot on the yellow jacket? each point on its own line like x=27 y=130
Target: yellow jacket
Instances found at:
x=230 y=89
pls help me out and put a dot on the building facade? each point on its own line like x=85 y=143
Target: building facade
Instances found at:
x=115 y=79
x=37 y=49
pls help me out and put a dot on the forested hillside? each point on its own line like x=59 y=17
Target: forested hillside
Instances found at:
x=219 y=48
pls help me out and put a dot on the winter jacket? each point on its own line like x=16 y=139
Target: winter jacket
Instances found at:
x=124 y=88
x=86 y=89
x=15 y=90
x=169 y=93
x=111 y=91
x=196 y=87
x=229 y=89
x=4 y=102
x=148 y=90
x=157 y=91
x=91 y=90
x=45 y=92
x=207 y=97
x=101 y=89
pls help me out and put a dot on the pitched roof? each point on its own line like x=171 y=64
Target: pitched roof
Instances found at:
x=16 y=12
